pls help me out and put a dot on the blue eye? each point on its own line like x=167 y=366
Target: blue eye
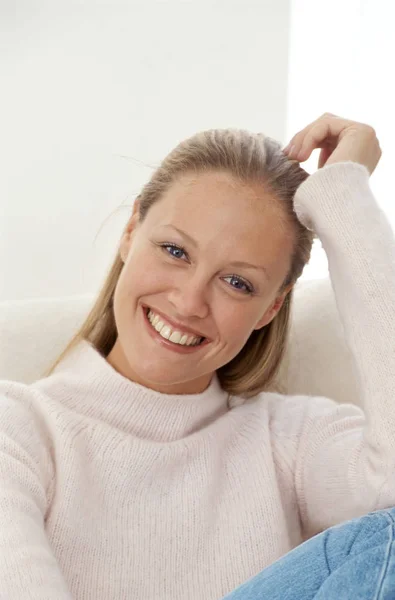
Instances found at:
x=178 y=252
x=247 y=289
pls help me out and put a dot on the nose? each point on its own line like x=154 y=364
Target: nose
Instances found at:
x=189 y=296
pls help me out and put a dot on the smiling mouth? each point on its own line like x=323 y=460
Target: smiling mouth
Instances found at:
x=171 y=334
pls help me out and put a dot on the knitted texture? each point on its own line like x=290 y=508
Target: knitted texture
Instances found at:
x=110 y=490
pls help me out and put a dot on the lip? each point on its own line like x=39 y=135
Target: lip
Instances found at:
x=175 y=326
x=167 y=343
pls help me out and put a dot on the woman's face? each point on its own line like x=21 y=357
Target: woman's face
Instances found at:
x=208 y=261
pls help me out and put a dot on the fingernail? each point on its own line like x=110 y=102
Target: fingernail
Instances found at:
x=290 y=153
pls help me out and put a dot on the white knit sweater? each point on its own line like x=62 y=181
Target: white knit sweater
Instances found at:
x=112 y=491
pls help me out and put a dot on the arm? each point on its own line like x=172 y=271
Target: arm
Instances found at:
x=345 y=463
x=28 y=568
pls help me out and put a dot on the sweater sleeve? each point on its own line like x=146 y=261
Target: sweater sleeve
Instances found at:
x=345 y=464
x=28 y=568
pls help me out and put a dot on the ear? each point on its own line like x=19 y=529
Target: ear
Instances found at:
x=127 y=235
x=273 y=309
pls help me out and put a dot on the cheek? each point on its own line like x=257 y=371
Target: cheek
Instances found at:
x=236 y=325
x=141 y=276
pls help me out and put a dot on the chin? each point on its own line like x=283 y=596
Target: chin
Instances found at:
x=150 y=371
x=167 y=381
x=160 y=376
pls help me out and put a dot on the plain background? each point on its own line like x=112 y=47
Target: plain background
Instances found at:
x=95 y=94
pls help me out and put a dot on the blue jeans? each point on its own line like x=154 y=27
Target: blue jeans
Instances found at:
x=354 y=560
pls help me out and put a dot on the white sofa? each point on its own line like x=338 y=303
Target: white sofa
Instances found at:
x=318 y=361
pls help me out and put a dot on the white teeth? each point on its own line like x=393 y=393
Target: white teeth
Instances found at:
x=159 y=326
x=165 y=332
x=174 y=336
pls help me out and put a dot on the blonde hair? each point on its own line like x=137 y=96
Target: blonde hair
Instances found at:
x=249 y=157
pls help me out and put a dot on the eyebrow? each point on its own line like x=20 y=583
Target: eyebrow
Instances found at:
x=237 y=263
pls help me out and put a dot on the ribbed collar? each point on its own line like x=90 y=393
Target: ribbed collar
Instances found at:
x=85 y=382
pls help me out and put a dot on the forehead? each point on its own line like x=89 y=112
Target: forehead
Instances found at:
x=215 y=195
x=225 y=215
x=214 y=188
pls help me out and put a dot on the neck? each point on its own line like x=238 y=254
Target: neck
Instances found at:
x=85 y=382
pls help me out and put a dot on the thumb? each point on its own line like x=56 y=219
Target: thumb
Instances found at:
x=324 y=155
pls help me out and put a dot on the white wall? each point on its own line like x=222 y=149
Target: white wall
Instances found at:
x=95 y=92
x=341 y=61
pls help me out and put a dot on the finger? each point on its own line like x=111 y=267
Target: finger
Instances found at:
x=324 y=155
x=297 y=141
x=318 y=136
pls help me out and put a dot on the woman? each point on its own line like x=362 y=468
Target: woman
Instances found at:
x=153 y=461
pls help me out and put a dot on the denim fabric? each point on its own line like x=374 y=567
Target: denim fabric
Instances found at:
x=351 y=561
